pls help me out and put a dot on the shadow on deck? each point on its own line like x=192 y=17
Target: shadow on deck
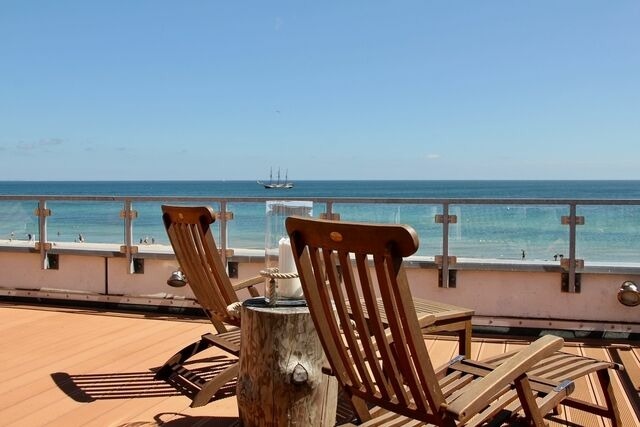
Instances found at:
x=73 y=367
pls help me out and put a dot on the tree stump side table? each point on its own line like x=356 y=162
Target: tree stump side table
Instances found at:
x=280 y=379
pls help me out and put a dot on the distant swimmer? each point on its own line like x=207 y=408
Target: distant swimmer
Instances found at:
x=523 y=254
x=80 y=238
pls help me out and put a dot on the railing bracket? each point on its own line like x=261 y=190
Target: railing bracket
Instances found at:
x=232 y=269
x=565 y=283
x=227 y=215
x=451 y=219
x=138 y=266
x=42 y=212
x=124 y=249
x=566 y=219
x=566 y=263
x=452 y=278
x=128 y=214
x=53 y=262
x=451 y=260
x=46 y=246
x=333 y=216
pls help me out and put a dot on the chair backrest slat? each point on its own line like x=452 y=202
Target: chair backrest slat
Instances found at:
x=185 y=244
x=345 y=268
x=359 y=322
x=397 y=376
x=192 y=240
x=382 y=365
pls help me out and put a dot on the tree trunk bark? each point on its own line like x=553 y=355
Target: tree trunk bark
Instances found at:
x=280 y=382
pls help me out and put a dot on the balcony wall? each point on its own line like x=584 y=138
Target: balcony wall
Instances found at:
x=500 y=297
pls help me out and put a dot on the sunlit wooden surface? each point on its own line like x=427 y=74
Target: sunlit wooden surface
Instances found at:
x=68 y=367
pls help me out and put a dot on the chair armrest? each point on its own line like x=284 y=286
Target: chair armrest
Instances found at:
x=483 y=391
x=425 y=320
x=248 y=283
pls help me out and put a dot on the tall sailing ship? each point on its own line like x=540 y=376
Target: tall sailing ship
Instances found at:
x=278 y=183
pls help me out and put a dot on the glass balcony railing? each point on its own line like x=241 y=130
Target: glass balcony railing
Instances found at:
x=569 y=233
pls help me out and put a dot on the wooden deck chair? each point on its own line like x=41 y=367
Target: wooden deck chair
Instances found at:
x=387 y=372
x=190 y=234
x=446 y=318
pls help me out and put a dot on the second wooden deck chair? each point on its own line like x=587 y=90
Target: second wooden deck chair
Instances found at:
x=192 y=240
x=388 y=375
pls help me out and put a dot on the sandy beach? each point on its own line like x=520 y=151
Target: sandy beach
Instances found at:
x=107 y=247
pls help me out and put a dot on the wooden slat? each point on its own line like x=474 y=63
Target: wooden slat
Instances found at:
x=111 y=355
x=123 y=348
x=626 y=413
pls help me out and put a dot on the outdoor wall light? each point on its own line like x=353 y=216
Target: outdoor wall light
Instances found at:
x=177 y=279
x=628 y=294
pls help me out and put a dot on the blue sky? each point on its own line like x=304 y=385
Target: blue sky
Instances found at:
x=110 y=90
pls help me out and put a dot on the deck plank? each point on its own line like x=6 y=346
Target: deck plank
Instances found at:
x=103 y=366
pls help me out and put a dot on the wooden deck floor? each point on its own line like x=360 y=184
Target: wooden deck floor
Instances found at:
x=68 y=367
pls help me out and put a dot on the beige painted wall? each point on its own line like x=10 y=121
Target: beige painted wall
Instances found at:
x=490 y=293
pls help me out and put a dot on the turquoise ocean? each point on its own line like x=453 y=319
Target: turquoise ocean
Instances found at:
x=610 y=233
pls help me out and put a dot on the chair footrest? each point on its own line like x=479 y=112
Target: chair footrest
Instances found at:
x=228 y=341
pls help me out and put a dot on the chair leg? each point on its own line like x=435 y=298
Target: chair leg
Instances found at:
x=360 y=408
x=610 y=399
x=464 y=339
x=180 y=357
x=528 y=401
x=211 y=387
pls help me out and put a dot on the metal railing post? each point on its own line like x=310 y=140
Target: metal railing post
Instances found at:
x=42 y=245
x=328 y=211
x=128 y=214
x=223 y=231
x=572 y=248
x=572 y=263
x=445 y=245
x=444 y=261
